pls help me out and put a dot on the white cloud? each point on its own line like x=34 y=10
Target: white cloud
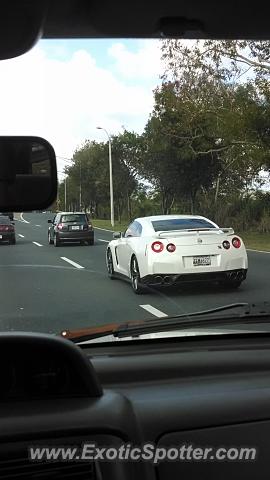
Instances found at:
x=144 y=63
x=64 y=101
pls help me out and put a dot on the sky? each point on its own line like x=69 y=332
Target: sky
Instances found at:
x=63 y=89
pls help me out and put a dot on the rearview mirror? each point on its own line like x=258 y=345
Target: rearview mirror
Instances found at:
x=117 y=235
x=28 y=174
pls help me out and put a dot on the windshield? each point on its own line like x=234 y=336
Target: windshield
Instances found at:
x=4 y=221
x=161 y=139
x=181 y=224
x=78 y=218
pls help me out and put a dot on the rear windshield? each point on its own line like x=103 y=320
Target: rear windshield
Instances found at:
x=180 y=224
x=74 y=218
x=4 y=220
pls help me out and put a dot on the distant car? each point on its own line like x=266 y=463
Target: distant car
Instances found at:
x=170 y=249
x=70 y=227
x=7 y=230
x=10 y=215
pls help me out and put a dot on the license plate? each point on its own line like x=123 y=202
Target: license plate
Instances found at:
x=202 y=260
x=75 y=227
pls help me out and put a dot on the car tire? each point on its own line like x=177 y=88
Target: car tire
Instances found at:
x=136 y=284
x=50 y=239
x=56 y=241
x=109 y=262
x=90 y=242
x=13 y=241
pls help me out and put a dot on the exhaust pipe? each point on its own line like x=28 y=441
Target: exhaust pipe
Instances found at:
x=167 y=280
x=233 y=275
x=240 y=276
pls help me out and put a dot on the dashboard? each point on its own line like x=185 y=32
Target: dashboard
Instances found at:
x=205 y=391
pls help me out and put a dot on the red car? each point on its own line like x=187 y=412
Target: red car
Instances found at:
x=7 y=230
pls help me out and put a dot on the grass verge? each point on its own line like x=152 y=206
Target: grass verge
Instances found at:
x=256 y=240
x=118 y=227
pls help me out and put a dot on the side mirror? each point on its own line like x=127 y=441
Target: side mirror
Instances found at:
x=117 y=235
x=49 y=221
x=28 y=175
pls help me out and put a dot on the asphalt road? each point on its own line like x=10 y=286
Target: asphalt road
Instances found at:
x=41 y=291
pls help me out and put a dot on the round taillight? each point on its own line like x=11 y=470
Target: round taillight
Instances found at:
x=236 y=242
x=226 y=244
x=171 y=247
x=157 y=247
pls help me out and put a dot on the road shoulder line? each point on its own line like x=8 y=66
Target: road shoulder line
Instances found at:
x=22 y=219
x=154 y=311
x=257 y=251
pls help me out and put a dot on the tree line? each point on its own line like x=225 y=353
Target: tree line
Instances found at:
x=205 y=148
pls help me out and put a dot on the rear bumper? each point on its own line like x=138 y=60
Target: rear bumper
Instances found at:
x=75 y=236
x=171 y=279
x=6 y=237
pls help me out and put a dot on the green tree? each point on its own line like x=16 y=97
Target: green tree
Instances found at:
x=227 y=60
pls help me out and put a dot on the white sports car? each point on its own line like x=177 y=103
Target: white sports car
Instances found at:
x=170 y=249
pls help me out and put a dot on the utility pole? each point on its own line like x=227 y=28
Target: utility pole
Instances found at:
x=111 y=178
x=80 y=185
x=65 y=194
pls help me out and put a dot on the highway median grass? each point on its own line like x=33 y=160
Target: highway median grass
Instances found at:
x=256 y=240
x=106 y=224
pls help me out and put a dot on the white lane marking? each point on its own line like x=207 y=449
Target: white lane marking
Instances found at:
x=62 y=267
x=154 y=311
x=23 y=220
x=103 y=229
x=37 y=244
x=101 y=240
x=71 y=262
x=20 y=235
x=38 y=225
x=257 y=251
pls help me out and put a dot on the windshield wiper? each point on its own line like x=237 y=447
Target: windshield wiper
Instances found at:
x=249 y=313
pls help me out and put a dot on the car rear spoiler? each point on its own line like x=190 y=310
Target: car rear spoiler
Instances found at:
x=199 y=231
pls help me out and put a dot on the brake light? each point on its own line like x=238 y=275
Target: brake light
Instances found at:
x=171 y=247
x=226 y=244
x=60 y=226
x=157 y=247
x=6 y=228
x=236 y=242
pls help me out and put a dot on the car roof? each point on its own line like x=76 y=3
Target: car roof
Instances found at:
x=123 y=19
x=72 y=213
x=82 y=18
